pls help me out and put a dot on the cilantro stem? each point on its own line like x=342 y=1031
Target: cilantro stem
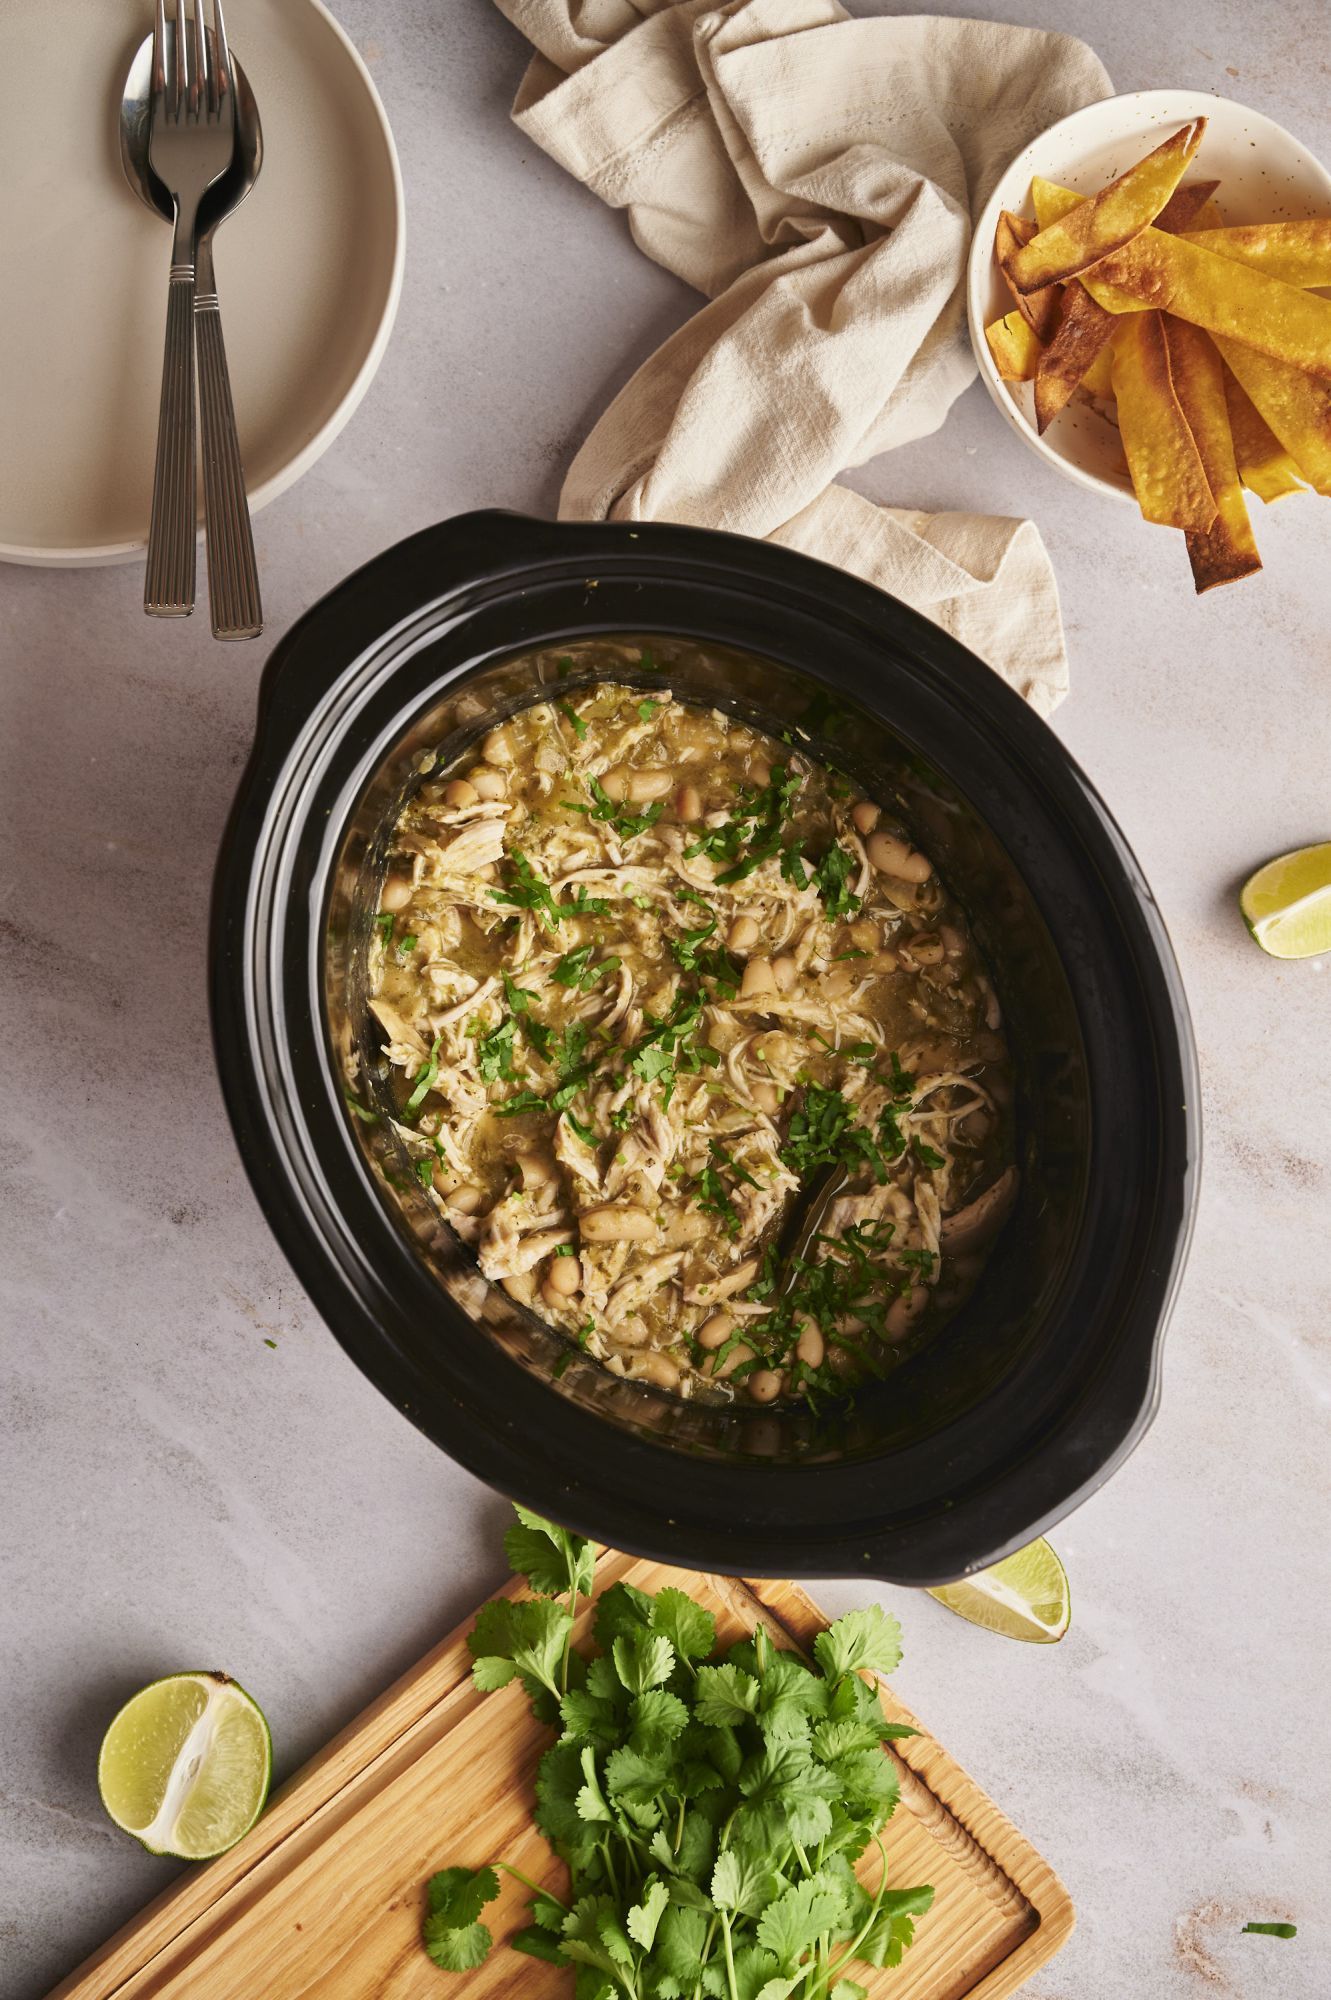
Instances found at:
x=536 y=1888
x=730 y=1957
x=848 y=1954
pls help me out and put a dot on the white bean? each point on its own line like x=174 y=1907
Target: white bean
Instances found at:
x=891 y=856
x=396 y=893
x=536 y=1169
x=766 y=1096
x=488 y=784
x=765 y=1384
x=613 y=1224
x=903 y=1312
x=655 y=1368
x=811 y=1347
x=864 y=817
x=864 y=935
x=564 y=1276
x=457 y=792
x=760 y=772
x=498 y=748
x=653 y=784
x=688 y=803
x=785 y=972
x=716 y=1331
x=743 y=934
x=615 y=785
x=466 y=1199
x=757 y=979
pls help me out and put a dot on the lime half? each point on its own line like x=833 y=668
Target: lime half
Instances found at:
x=1287 y=904
x=186 y=1765
x=1026 y=1596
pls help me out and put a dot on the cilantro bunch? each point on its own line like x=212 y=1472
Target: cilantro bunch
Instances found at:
x=709 y=1806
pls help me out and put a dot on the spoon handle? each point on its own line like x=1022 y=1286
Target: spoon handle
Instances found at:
x=233 y=576
x=168 y=590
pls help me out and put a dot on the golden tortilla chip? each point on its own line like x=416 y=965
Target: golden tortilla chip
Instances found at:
x=1038 y=309
x=1109 y=220
x=1296 y=405
x=1226 y=550
x=1084 y=329
x=1167 y=472
x=1265 y=467
x=1189 y=203
x=1085 y=326
x=1298 y=253
x=1226 y=298
x=1052 y=202
x=1015 y=347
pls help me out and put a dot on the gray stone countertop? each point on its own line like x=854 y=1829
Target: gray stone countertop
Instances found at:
x=177 y=1490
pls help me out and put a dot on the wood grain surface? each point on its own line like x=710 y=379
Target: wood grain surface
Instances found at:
x=323 y=1899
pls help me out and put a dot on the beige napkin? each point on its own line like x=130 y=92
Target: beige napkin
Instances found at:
x=817 y=176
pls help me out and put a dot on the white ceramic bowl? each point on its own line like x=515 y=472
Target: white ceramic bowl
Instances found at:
x=309 y=270
x=1265 y=175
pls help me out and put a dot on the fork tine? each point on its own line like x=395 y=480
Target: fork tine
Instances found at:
x=222 y=53
x=159 y=50
x=182 y=62
x=201 y=95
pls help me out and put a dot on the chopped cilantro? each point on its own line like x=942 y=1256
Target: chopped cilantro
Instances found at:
x=366 y=1116
x=384 y=923
x=406 y=945
x=848 y=954
x=425 y=1172
x=494 y=1053
x=756 y=824
x=831 y=875
x=575 y=968
x=423 y=1080
x=528 y=892
x=710 y=1191
x=927 y=1156
x=647 y=709
x=824 y=1133
x=626 y=825
x=570 y=714
x=1272 y=1930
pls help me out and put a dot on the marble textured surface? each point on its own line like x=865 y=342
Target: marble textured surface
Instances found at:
x=177 y=1490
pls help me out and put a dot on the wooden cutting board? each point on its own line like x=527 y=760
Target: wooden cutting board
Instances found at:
x=323 y=1899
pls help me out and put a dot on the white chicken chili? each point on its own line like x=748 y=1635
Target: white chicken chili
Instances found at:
x=692 y=1046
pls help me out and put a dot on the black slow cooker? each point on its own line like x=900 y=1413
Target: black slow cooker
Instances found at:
x=1048 y=1377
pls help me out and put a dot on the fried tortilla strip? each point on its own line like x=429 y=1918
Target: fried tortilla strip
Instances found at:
x=1108 y=220
x=1226 y=550
x=1015 y=347
x=1298 y=253
x=1099 y=377
x=1083 y=333
x=1038 y=309
x=1294 y=404
x=1167 y=472
x=1187 y=204
x=1225 y=298
x=1085 y=326
x=1265 y=467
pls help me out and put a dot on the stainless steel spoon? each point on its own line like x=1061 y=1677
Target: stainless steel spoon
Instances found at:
x=233 y=584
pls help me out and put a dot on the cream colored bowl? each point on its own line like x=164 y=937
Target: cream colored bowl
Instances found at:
x=309 y=269
x=1265 y=175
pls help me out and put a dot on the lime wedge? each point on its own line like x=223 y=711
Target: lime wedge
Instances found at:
x=1026 y=1596
x=1287 y=904
x=186 y=1765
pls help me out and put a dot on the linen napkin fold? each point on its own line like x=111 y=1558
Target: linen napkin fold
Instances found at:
x=817 y=176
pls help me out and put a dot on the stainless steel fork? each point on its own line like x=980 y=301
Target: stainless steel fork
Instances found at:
x=191 y=139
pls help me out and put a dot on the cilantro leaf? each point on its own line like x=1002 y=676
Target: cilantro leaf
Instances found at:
x=867 y=1640
x=893 y=1928
x=741 y=1884
x=423 y=1081
x=793 y=1923
x=643 y=1659
x=725 y=1695
x=1273 y=1930
x=656 y=1719
x=453 y=1937
x=645 y=1916
x=690 y=1629
x=552 y=1560
x=831 y=876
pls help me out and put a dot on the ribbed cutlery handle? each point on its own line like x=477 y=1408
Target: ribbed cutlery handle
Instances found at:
x=168 y=590
x=233 y=577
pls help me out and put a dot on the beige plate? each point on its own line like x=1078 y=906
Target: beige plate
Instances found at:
x=309 y=268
